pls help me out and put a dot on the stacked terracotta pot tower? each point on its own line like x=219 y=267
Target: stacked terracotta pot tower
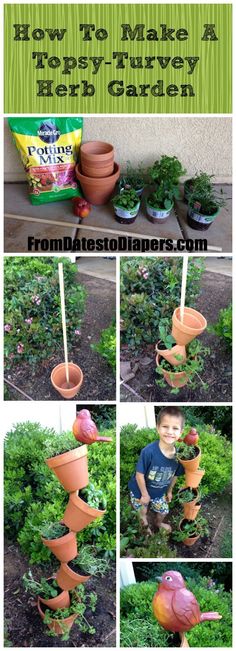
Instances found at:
x=71 y=469
x=97 y=172
x=193 y=324
x=193 y=477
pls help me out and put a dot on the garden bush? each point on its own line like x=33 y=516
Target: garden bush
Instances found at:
x=150 y=290
x=136 y=607
x=106 y=346
x=219 y=417
x=33 y=330
x=223 y=327
x=30 y=486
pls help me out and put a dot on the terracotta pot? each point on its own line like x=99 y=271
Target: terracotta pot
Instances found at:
x=189 y=542
x=97 y=171
x=64 y=548
x=59 y=626
x=190 y=508
x=67 y=579
x=58 y=380
x=193 y=478
x=174 y=379
x=71 y=468
x=98 y=191
x=191 y=464
x=194 y=323
x=170 y=354
x=96 y=152
x=62 y=600
x=79 y=514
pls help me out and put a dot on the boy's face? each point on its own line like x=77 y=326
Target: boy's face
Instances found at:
x=170 y=429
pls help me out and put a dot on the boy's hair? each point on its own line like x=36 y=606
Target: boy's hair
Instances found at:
x=171 y=411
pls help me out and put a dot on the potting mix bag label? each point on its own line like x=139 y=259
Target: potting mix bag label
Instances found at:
x=49 y=149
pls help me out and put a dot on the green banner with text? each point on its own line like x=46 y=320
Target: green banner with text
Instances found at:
x=145 y=58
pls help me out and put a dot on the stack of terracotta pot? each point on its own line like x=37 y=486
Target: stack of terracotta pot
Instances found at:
x=193 y=324
x=71 y=468
x=97 y=171
x=193 y=477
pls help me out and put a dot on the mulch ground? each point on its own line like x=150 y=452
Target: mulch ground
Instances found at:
x=99 y=380
x=216 y=293
x=24 y=627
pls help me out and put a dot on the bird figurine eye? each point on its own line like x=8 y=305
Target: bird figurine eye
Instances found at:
x=168 y=578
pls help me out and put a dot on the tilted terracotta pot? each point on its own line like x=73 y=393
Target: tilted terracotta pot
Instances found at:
x=170 y=354
x=62 y=600
x=189 y=542
x=190 y=508
x=59 y=626
x=194 y=323
x=71 y=468
x=191 y=464
x=79 y=514
x=58 y=380
x=67 y=579
x=98 y=191
x=174 y=379
x=64 y=548
x=193 y=478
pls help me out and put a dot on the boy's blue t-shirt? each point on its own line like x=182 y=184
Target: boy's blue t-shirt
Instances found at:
x=157 y=469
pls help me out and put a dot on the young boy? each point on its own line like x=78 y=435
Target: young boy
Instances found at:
x=157 y=469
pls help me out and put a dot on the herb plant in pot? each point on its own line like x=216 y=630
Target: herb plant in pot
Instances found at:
x=133 y=178
x=61 y=542
x=189 y=456
x=204 y=202
x=84 y=508
x=80 y=569
x=47 y=590
x=190 y=499
x=166 y=346
x=60 y=622
x=71 y=468
x=126 y=206
x=165 y=173
x=188 y=372
x=189 y=531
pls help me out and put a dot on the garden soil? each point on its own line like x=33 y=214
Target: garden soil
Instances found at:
x=99 y=379
x=216 y=293
x=24 y=627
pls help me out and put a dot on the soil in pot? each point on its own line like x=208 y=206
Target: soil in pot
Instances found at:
x=193 y=324
x=58 y=379
x=71 y=468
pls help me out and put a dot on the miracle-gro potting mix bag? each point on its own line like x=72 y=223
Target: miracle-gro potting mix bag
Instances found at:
x=49 y=149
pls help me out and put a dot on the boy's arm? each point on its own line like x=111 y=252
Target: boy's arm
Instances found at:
x=145 y=497
x=170 y=488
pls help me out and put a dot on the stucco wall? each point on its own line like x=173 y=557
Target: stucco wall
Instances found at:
x=199 y=143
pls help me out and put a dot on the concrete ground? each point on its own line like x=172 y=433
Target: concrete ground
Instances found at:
x=97 y=267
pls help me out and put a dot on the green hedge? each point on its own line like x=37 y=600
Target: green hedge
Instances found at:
x=33 y=493
x=139 y=628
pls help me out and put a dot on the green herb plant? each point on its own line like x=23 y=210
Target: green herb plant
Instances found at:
x=88 y=561
x=192 y=367
x=53 y=530
x=94 y=497
x=44 y=588
x=223 y=327
x=203 y=195
x=165 y=337
x=190 y=529
x=188 y=495
x=106 y=346
x=186 y=452
x=132 y=178
x=165 y=173
x=127 y=200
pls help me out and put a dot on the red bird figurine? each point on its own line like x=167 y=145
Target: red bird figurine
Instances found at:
x=175 y=607
x=84 y=429
x=192 y=437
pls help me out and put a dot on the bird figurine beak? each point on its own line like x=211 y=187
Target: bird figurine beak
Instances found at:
x=159 y=579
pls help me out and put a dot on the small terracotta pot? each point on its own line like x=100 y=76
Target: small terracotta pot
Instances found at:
x=67 y=579
x=71 y=468
x=189 y=542
x=59 y=626
x=62 y=600
x=98 y=191
x=79 y=514
x=194 y=323
x=174 y=379
x=170 y=354
x=193 y=478
x=64 y=548
x=191 y=464
x=96 y=152
x=190 y=508
x=58 y=380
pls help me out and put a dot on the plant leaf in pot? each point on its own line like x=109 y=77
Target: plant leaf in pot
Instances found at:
x=167 y=347
x=47 y=590
x=189 y=456
x=126 y=206
x=204 y=202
